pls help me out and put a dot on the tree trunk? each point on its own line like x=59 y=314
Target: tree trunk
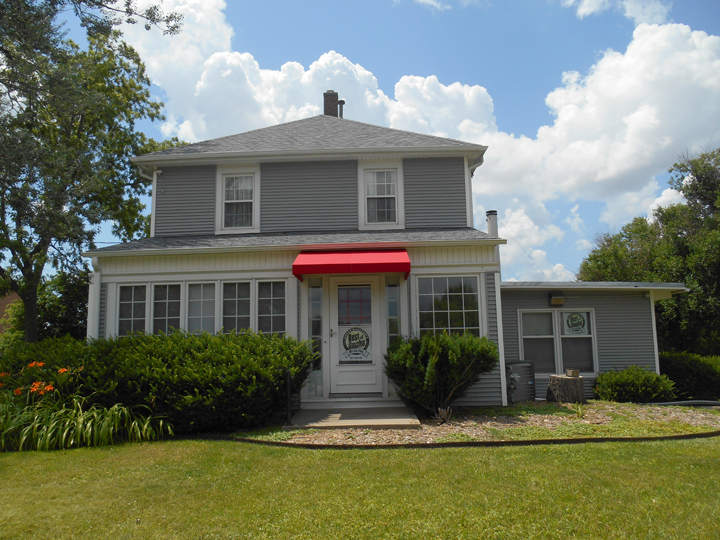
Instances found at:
x=566 y=389
x=29 y=298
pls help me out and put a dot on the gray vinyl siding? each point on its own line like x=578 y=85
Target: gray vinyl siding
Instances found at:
x=623 y=322
x=488 y=392
x=185 y=201
x=315 y=196
x=435 y=194
x=103 y=310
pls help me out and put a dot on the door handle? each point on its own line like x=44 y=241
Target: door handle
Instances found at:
x=332 y=332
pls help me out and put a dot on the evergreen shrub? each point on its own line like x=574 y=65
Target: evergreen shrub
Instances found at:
x=695 y=376
x=432 y=371
x=634 y=384
x=195 y=382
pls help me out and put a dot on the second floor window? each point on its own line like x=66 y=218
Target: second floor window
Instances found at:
x=381 y=193
x=238 y=203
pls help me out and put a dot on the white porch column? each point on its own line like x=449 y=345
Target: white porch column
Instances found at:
x=93 y=321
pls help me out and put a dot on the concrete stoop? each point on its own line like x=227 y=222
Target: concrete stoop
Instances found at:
x=362 y=418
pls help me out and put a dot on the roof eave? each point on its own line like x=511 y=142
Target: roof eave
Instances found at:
x=673 y=288
x=295 y=247
x=474 y=152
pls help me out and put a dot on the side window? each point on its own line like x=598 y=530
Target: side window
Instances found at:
x=166 y=308
x=131 y=316
x=271 y=307
x=201 y=307
x=392 y=293
x=381 y=196
x=450 y=304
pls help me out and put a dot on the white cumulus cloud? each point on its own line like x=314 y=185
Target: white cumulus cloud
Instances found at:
x=640 y=11
x=615 y=127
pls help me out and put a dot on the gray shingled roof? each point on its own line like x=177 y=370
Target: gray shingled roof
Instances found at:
x=299 y=240
x=316 y=134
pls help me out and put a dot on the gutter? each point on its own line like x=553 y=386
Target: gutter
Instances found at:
x=293 y=247
x=215 y=158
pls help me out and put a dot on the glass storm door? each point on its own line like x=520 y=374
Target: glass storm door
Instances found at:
x=355 y=336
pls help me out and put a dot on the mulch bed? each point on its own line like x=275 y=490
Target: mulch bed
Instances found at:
x=466 y=426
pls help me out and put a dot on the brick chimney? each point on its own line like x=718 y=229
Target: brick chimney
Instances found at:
x=331 y=103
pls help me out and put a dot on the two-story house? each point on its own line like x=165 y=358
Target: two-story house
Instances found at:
x=341 y=232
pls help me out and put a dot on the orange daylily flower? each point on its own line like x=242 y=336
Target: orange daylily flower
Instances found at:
x=49 y=388
x=17 y=391
x=36 y=364
x=62 y=370
x=4 y=374
x=2 y=384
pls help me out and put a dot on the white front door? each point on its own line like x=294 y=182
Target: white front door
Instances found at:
x=355 y=335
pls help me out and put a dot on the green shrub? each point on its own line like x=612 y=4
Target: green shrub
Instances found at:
x=634 y=384
x=50 y=424
x=433 y=371
x=695 y=376
x=199 y=383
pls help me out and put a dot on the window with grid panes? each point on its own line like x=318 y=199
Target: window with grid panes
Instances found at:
x=271 y=307
x=238 y=201
x=166 y=308
x=381 y=196
x=131 y=315
x=315 y=297
x=201 y=307
x=450 y=304
x=236 y=306
x=392 y=293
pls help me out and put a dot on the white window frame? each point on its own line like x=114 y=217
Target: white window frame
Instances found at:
x=152 y=302
x=395 y=165
x=148 y=307
x=225 y=171
x=253 y=301
x=185 y=302
x=482 y=306
x=557 y=335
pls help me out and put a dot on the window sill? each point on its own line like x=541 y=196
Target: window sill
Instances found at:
x=239 y=230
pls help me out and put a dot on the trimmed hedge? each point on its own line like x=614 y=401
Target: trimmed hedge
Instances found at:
x=197 y=383
x=433 y=371
x=634 y=384
x=695 y=376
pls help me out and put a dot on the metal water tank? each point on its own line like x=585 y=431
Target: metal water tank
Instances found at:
x=525 y=385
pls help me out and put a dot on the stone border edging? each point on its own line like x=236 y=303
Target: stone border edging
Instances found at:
x=466 y=444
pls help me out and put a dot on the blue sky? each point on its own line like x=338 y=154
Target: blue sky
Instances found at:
x=584 y=104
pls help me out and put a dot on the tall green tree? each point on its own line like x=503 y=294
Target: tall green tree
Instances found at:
x=65 y=161
x=681 y=244
x=67 y=131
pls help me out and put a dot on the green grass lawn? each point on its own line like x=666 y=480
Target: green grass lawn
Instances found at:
x=219 y=489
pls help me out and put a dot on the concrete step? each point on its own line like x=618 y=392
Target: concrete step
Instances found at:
x=358 y=418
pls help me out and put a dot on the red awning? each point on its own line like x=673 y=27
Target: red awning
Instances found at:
x=351 y=262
